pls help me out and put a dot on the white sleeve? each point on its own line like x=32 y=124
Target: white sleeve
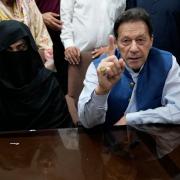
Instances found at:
x=91 y=107
x=169 y=112
x=66 y=12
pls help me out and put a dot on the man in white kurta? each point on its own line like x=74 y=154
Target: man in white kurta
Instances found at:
x=87 y=25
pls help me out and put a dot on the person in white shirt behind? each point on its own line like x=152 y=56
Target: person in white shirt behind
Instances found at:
x=87 y=25
x=136 y=84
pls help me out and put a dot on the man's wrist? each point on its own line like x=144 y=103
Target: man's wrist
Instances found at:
x=101 y=91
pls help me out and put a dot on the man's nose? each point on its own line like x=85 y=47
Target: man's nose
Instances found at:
x=134 y=46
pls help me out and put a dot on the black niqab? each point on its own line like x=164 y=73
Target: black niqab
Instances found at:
x=30 y=96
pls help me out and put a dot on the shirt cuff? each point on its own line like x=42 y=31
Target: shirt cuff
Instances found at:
x=100 y=100
x=68 y=43
x=133 y=118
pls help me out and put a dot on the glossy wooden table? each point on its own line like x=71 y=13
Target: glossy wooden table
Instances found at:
x=123 y=153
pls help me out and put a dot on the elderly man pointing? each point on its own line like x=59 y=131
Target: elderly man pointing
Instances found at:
x=138 y=84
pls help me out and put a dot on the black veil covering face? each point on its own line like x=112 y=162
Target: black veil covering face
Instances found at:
x=30 y=96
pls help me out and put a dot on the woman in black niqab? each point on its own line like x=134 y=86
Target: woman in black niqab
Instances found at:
x=30 y=96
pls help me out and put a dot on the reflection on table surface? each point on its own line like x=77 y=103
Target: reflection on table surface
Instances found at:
x=140 y=152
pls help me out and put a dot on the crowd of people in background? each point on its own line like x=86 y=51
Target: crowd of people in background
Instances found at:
x=60 y=31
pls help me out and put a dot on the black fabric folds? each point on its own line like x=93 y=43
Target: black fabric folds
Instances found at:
x=30 y=96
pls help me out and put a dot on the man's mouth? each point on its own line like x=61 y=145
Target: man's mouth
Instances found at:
x=134 y=59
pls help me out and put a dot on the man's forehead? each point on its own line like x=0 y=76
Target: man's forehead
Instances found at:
x=130 y=28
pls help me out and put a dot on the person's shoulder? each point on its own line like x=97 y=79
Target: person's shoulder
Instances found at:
x=157 y=51
x=160 y=58
x=159 y=54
